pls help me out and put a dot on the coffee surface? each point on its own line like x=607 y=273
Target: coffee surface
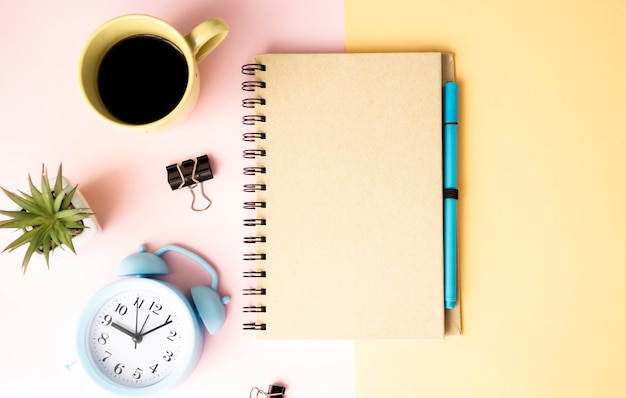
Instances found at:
x=141 y=79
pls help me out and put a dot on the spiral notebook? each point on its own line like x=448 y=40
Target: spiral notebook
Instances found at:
x=344 y=197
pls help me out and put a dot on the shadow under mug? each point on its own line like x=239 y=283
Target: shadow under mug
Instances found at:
x=138 y=72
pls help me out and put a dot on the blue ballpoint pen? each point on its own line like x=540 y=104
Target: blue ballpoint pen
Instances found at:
x=450 y=138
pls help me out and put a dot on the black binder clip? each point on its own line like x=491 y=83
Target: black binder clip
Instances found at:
x=273 y=391
x=189 y=174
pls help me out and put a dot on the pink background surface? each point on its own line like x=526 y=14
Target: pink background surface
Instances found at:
x=122 y=175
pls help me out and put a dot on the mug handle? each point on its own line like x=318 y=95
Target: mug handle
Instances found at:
x=206 y=36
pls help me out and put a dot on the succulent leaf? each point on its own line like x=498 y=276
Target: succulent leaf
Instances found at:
x=38 y=197
x=72 y=215
x=46 y=192
x=66 y=239
x=67 y=200
x=58 y=184
x=25 y=201
x=26 y=237
x=22 y=220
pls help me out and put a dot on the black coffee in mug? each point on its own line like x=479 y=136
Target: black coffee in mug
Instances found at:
x=142 y=78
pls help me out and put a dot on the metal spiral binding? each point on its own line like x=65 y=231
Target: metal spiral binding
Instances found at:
x=252 y=137
x=254 y=274
x=251 y=120
x=254 y=239
x=251 y=69
x=254 y=326
x=254 y=292
x=254 y=154
x=253 y=102
x=254 y=205
x=250 y=171
x=254 y=187
x=254 y=308
x=252 y=85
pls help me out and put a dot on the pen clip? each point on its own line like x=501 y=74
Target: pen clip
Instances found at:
x=189 y=174
x=274 y=391
x=194 y=198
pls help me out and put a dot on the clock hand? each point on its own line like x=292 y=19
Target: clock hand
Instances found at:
x=158 y=327
x=136 y=317
x=136 y=338
x=144 y=325
x=136 y=321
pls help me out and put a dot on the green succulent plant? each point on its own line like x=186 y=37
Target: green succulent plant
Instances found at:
x=47 y=217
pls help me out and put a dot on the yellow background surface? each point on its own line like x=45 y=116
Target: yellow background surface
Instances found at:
x=542 y=198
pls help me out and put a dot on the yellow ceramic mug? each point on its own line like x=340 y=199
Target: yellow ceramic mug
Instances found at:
x=140 y=73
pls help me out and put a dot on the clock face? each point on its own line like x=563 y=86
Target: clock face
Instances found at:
x=140 y=333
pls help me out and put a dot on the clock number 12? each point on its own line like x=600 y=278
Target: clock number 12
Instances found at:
x=154 y=306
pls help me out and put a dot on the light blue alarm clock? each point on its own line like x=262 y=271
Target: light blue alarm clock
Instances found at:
x=138 y=335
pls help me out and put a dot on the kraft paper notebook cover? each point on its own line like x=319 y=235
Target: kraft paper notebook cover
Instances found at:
x=345 y=199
